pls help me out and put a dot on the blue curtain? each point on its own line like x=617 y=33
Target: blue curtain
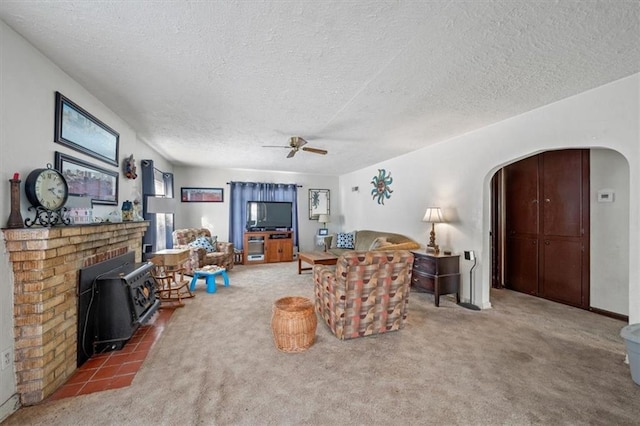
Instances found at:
x=241 y=192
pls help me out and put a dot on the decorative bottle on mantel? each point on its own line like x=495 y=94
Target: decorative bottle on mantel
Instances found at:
x=127 y=211
x=15 y=218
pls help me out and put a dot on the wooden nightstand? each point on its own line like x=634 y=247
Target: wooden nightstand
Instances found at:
x=436 y=274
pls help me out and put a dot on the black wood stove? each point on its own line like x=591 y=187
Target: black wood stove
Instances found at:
x=115 y=298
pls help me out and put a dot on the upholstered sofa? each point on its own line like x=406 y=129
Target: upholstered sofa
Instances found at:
x=200 y=256
x=366 y=293
x=366 y=240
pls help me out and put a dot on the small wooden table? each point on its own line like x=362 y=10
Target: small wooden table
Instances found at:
x=315 y=258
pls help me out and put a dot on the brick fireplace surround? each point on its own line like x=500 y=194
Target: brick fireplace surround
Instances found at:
x=46 y=264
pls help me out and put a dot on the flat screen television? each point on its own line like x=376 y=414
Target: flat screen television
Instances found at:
x=269 y=215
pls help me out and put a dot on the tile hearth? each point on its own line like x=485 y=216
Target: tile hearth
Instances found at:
x=116 y=369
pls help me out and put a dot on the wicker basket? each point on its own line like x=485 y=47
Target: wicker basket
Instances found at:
x=293 y=324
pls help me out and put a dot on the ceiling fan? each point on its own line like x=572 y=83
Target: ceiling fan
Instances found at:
x=295 y=144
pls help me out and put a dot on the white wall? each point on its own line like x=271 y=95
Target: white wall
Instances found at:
x=456 y=174
x=215 y=216
x=610 y=232
x=28 y=82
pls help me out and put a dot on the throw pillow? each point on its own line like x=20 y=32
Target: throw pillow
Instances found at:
x=379 y=242
x=345 y=240
x=386 y=246
x=203 y=242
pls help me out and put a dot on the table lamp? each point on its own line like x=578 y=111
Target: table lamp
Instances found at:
x=323 y=219
x=433 y=215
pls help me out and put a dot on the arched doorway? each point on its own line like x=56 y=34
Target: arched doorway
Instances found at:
x=602 y=288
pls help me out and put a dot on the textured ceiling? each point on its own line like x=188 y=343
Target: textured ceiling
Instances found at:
x=209 y=83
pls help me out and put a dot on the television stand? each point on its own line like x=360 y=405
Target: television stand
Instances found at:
x=268 y=247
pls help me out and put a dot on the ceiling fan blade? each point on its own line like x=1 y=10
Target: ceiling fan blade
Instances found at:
x=276 y=146
x=315 y=150
x=292 y=153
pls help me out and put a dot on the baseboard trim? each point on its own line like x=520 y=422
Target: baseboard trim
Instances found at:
x=486 y=305
x=9 y=407
x=610 y=314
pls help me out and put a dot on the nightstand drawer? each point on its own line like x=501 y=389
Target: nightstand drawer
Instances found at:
x=422 y=282
x=425 y=265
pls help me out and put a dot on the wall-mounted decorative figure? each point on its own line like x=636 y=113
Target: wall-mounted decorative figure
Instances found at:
x=129 y=167
x=381 y=184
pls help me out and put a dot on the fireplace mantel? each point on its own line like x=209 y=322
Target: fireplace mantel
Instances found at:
x=45 y=263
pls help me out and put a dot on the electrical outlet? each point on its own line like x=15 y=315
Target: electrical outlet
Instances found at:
x=6 y=358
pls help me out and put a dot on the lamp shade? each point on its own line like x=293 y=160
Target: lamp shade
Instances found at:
x=161 y=205
x=433 y=215
x=323 y=218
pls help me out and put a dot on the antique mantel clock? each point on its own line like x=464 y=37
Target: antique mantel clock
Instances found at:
x=47 y=191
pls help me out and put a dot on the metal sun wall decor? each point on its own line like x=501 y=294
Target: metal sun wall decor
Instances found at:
x=381 y=184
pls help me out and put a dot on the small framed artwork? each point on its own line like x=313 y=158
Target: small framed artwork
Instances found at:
x=323 y=231
x=202 y=195
x=318 y=203
x=86 y=180
x=79 y=130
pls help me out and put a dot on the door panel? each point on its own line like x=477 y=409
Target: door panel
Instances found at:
x=562 y=193
x=521 y=195
x=522 y=265
x=562 y=265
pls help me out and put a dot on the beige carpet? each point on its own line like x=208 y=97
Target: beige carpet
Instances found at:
x=526 y=361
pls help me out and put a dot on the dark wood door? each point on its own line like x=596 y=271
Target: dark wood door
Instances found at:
x=547 y=223
x=521 y=216
x=565 y=221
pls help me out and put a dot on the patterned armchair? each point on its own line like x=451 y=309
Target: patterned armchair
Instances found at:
x=367 y=292
x=198 y=256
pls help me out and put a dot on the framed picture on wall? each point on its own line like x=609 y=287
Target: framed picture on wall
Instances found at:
x=318 y=203
x=201 y=195
x=79 y=130
x=86 y=180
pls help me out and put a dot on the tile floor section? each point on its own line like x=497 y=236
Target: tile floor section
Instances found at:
x=116 y=369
